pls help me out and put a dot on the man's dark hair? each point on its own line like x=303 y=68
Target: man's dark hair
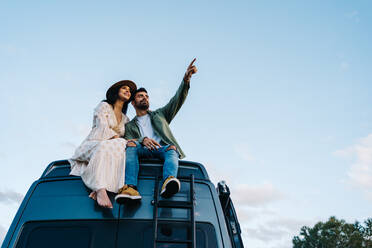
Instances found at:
x=139 y=90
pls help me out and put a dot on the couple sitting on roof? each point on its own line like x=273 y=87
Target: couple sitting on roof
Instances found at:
x=107 y=160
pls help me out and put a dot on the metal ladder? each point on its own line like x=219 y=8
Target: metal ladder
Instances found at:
x=190 y=204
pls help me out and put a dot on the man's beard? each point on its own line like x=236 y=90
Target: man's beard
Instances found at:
x=142 y=105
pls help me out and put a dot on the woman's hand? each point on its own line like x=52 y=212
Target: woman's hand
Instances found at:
x=131 y=143
x=115 y=137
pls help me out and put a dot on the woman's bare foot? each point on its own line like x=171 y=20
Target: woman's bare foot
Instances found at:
x=103 y=199
x=93 y=195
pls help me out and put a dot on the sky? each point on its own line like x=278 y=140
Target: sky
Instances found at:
x=279 y=108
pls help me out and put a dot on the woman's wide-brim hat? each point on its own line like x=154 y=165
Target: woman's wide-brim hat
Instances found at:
x=116 y=86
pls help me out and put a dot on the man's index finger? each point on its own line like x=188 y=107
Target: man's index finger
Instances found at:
x=192 y=62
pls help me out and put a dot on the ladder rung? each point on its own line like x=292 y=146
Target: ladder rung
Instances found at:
x=174 y=204
x=173 y=241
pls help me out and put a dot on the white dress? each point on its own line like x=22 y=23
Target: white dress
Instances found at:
x=100 y=160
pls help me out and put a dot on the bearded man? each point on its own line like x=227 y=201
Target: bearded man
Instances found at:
x=151 y=137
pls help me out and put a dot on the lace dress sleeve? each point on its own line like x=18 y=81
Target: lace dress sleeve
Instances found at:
x=101 y=125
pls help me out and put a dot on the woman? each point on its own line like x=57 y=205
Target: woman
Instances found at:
x=100 y=159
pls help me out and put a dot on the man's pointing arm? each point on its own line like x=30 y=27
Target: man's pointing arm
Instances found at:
x=171 y=109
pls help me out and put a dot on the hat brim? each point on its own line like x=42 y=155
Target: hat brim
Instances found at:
x=129 y=83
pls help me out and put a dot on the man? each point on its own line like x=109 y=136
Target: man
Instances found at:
x=154 y=139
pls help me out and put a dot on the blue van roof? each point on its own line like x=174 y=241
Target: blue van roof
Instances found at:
x=57 y=188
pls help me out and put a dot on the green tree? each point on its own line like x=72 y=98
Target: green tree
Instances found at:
x=335 y=234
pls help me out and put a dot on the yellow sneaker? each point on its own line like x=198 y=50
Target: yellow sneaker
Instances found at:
x=127 y=194
x=170 y=187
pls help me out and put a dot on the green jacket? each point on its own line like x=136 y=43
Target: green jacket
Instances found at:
x=160 y=120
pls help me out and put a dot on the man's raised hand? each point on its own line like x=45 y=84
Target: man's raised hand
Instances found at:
x=190 y=70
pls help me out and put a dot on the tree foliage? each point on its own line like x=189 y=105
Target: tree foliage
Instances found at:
x=335 y=234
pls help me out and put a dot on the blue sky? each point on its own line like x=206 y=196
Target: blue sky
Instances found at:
x=280 y=106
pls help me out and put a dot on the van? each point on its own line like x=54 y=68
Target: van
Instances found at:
x=57 y=212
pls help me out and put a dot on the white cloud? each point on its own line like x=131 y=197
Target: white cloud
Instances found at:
x=10 y=197
x=256 y=195
x=265 y=233
x=248 y=214
x=275 y=231
x=360 y=172
x=345 y=153
x=267 y=227
x=289 y=224
x=217 y=173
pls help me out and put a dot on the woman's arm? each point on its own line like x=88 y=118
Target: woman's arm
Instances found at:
x=101 y=128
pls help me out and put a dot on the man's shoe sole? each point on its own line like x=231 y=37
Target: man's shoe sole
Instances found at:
x=123 y=199
x=171 y=188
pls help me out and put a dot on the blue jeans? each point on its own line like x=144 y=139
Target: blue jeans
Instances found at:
x=170 y=158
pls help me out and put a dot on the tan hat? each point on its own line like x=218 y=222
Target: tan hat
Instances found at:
x=113 y=89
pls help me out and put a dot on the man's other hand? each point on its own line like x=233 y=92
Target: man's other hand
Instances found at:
x=150 y=143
